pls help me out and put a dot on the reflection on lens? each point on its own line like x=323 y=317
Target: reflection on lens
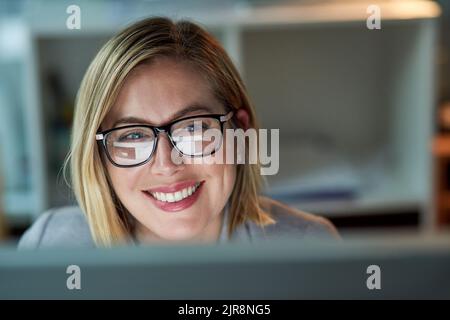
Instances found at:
x=197 y=137
x=130 y=146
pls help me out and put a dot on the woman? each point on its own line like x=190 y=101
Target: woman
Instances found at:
x=146 y=94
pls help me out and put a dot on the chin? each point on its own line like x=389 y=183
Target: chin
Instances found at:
x=181 y=233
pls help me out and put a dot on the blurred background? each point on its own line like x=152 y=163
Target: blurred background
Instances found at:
x=364 y=115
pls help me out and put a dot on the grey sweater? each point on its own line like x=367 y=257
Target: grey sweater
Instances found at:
x=68 y=227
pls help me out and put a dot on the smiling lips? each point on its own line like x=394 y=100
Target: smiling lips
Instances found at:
x=176 y=197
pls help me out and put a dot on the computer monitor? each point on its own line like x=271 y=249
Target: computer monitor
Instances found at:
x=400 y=268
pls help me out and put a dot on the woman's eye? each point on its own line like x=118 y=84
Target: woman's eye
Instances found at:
x=132 y=136
x=197 y=127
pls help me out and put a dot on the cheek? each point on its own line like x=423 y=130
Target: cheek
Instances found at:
x=223 y=176
x=123 y=180
x=229 y=174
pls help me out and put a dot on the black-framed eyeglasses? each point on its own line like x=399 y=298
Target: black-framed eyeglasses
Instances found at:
x=134 y=145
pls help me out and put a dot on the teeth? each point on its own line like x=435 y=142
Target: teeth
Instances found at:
x=170 y=197
x=175 y=196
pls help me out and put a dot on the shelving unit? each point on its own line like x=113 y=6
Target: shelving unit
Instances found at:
x=441 y=151
x=23 y=167
x=360 y=108
x=359 y=102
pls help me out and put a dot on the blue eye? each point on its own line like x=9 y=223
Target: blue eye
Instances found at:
x=196 y=127
x=132 y=136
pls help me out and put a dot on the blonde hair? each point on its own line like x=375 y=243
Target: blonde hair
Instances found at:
x=140 y=43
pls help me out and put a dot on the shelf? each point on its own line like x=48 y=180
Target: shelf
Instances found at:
x=388 y=197
x=320 y=13
x=366 y=205
x=104 y=17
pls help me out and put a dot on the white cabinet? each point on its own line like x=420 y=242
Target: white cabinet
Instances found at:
x=22 y=161
x=354 y=106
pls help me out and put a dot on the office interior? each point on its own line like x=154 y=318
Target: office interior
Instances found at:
x=363 y=114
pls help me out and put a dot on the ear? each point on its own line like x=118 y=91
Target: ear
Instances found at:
x=243 y=118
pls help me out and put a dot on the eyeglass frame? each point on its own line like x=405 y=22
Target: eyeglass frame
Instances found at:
x=101 y=136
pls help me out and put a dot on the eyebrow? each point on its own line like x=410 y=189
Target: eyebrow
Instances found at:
x=175 y=116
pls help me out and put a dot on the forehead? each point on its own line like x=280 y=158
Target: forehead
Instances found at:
x=160 y=89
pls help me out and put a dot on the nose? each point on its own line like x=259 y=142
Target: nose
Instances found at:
x=162 y=163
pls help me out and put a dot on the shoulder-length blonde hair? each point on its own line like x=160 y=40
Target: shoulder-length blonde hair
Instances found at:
x=143 y=42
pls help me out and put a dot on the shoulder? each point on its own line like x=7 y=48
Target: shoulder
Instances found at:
x=61 y=227
x=292 y=222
